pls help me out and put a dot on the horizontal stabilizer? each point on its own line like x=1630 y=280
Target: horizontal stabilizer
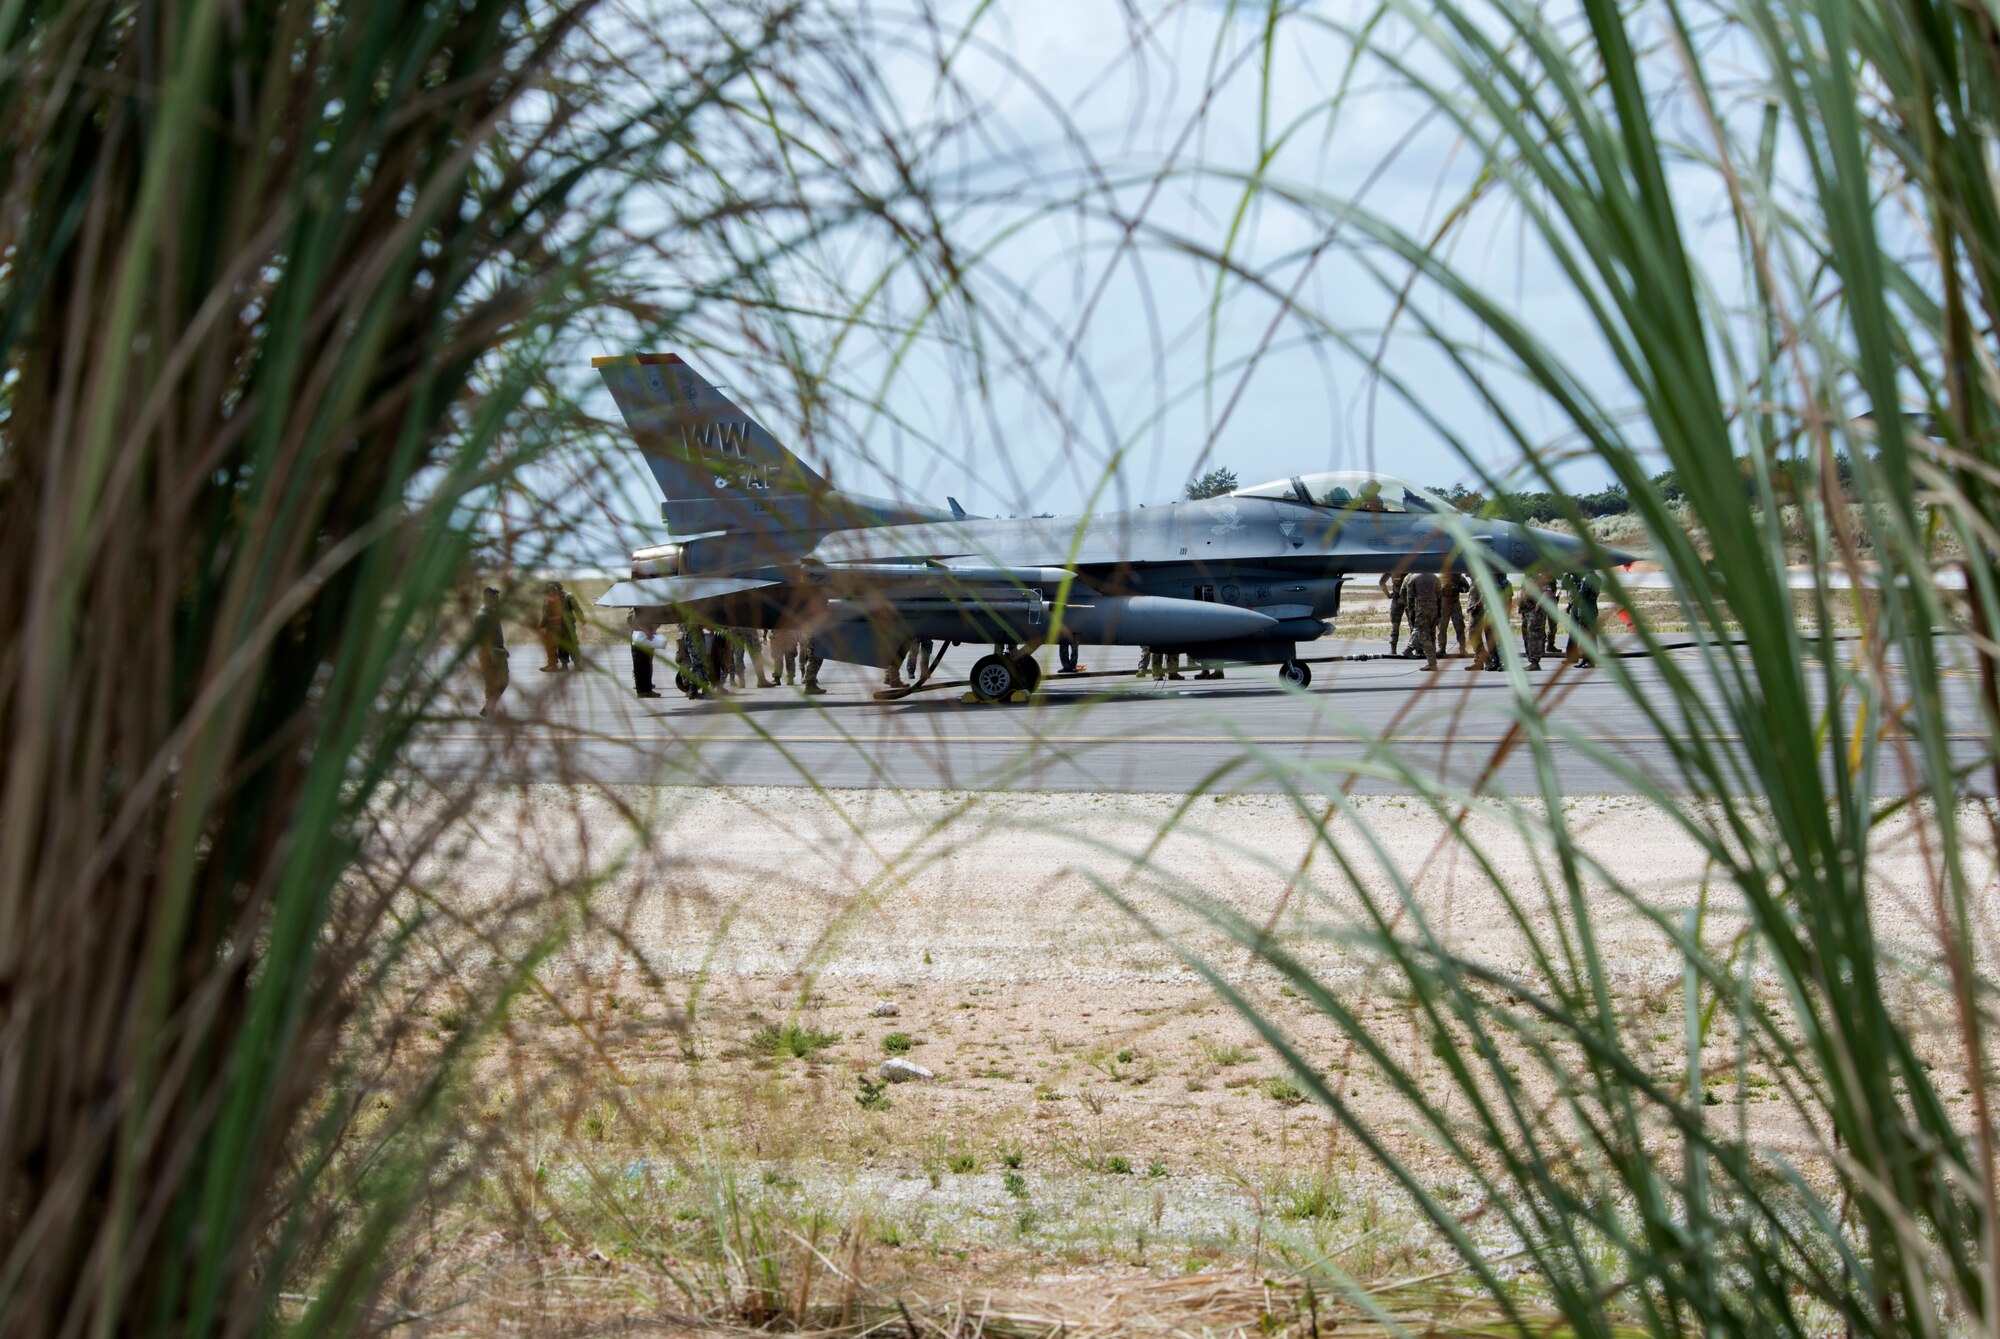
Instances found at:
x=661 y=592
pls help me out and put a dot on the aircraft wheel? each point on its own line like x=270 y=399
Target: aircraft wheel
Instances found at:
x=1029 y=672
x=994 y=678
x=1296 y=673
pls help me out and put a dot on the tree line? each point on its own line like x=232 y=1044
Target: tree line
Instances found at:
x=1788 y=478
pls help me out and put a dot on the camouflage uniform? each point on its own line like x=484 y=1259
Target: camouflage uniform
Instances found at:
x=1487 y=624
x=1582 y=613
x=714 y=644
x=788 y=642
x=892 y=673
x=1535 y=637
x=688 y=676
x=1420 y=596
x=551 y=628
x=1452 y=586
x=1392 y=587
x=570 y=646
x=492 y=642
x=768 y=654
x=735 y=654
x=810 y=660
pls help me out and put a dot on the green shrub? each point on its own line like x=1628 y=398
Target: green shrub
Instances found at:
x=874 y=1094
x=790 y=1039
x=1282 y=1091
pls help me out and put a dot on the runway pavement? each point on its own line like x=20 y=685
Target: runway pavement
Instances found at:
x=1362 y=719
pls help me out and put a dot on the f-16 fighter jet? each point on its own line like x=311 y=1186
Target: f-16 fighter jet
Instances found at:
x=762 y=540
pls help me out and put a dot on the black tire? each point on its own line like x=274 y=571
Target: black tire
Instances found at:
x=1028 y=671
x=994 y=678
x=1296 y=673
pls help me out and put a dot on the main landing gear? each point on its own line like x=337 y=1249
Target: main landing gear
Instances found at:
x=1295 y=673
x=996 y=678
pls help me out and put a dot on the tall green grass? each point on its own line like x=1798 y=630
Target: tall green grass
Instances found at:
x=281 y=289
x=1853 y=310
x=286 y=295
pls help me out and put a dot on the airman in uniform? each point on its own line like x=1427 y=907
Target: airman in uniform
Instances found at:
x=1535 y=638
x=689 y=676
x=1489 y=624
x=1452 y=586
x=569 y=642
x=715 y=661
x=492 y=641
x=642 y=655
x=892 y=674
x=1420 y=597
x=765 y=645
x=1582 y=615
x=550 y=625
x=735 y=643
x=793 y=652
x=1392 y=591
x=810 y=660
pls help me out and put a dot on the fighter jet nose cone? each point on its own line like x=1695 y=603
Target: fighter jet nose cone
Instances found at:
x=1620 y=558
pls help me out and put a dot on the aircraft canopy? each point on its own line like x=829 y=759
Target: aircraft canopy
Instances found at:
x=1350 y=490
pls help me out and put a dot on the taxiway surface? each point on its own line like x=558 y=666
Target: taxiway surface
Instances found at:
x=1370 y=722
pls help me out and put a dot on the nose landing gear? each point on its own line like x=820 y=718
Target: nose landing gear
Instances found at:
x=994 y=678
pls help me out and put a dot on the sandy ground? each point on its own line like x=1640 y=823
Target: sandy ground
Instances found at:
x=921 y=889
x=1096 y=1104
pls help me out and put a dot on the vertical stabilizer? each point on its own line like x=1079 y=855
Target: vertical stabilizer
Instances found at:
x=721 y=472
x=718 y=468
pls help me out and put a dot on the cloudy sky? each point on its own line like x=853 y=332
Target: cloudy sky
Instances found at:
x=1091 y=169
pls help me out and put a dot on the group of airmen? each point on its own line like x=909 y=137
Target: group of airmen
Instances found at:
x=556 y=624
x=709 y=662
x=1434 y=600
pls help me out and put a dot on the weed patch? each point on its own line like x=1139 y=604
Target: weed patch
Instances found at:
x=1282 y=1091
x=874 y=1094
x=792 y=1040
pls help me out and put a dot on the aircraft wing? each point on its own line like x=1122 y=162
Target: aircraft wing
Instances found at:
x=657 y=592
